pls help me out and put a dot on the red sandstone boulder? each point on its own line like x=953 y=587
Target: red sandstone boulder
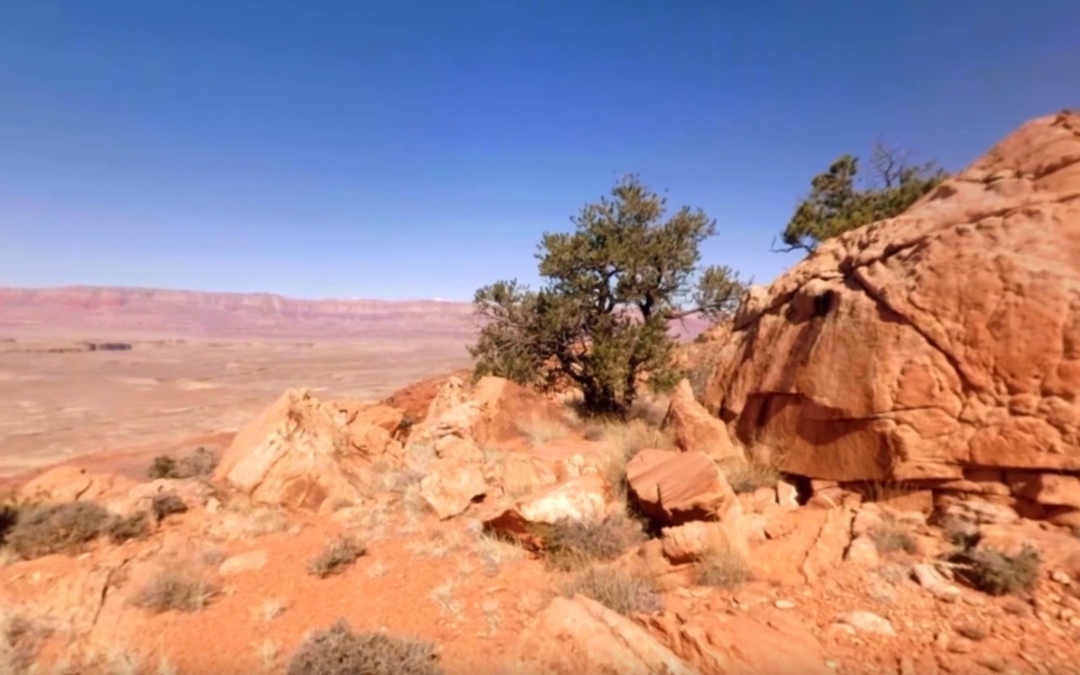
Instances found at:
x=696 y=429
x=587 y=498
x=677 y=487
x=942 y=339
x=300 y=452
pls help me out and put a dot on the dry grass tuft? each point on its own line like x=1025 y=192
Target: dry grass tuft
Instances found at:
x=20 y=639
x=723 y=567
x=570 y=544
x=494 y=552
x=543 y=431
x=630 y=438
x=339 y=554
x=651 y=410
x=264 y=520
x=180 y=588
x=751 y=476
x=617 y=591
x=339 y=651
x=891 y=536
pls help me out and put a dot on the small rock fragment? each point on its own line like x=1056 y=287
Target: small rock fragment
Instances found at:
x=868 y=622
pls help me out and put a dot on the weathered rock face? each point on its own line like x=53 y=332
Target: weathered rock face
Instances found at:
x=579 y=635
x=696 y=429
x=931 y=345
x=587 y=498
x=300 y=452
x=70 y=483
x=490 y=413
x=451 y=486
x=677 y=487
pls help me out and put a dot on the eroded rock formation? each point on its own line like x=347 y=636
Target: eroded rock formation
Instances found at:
x=940 y=342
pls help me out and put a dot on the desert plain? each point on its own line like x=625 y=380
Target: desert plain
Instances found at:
x=60 y=400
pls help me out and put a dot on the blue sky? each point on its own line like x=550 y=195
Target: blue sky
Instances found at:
x=419 y=148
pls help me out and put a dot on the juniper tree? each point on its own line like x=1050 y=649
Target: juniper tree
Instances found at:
x=836 y=205
x=611 y=288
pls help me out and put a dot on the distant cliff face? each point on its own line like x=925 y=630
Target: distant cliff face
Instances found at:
x=152 y=312
x=226 y=315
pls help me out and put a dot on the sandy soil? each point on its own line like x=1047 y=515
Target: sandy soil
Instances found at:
x=58 y=400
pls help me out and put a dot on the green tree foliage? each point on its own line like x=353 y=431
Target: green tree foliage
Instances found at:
x=835 y=205
x=611 y=288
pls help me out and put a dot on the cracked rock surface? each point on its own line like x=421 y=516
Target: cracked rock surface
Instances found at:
x=921 y=347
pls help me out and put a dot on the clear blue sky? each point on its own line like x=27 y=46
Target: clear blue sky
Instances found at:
x=418 y=148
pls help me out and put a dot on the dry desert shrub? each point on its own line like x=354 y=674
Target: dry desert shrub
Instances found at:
x=960 y=532
x=185 y=589
x=20 y=639
x=167 y=504
x=127 y=528
x=995 y=572
x=339 y=651
x=199 y=464
x=9 y=515
x=339 y=554
x=891 y=536
x=616 y=590
x=723 y=567
x=58 y=528
x=569 y=544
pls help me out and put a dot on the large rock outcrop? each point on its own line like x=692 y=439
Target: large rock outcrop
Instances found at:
x=301 y=452
x=942 y=341
x=578 y=635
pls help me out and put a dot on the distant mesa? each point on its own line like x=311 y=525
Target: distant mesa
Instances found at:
x=142 y=312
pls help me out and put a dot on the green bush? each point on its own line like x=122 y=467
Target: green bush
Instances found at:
x=616 y=283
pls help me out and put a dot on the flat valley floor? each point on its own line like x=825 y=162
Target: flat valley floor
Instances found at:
x=59 y=401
